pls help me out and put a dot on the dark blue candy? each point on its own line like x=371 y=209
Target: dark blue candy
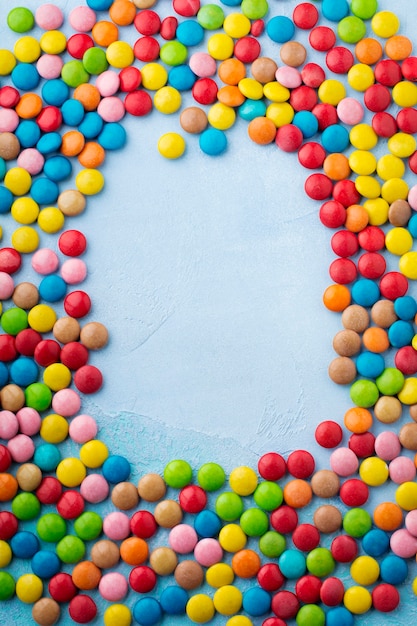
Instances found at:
x=207 y=524
x=45 y=564
x=174 y=600
x=6 y=199
x=116 y=469
x=24 y=544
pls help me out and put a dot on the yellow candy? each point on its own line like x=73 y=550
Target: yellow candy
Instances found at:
x=276 y=92
x=120 y=54
x=232 y=538
x=89 y=181
x=57 y=376
x=7 y=62
x=221 y=116
x=398 y=241
x=368 y=187
x=377 y=210
x=220 y=46
x=406 y=496
x=364 y=570
x=94 y=453
x=362 y=162
x=5 y=553
x=404 y=94
x=29 y=588
x=171 y=145
x=408 y=267
x=54 y=429
x=25 y=210
x=251 y=88
x=25 y=239
x=53 y=42
x=42 y=318
x=227 y=600
x=394 y=189
x=360 y=77
x=200 y=608
x=236 y=25
x=219 y=574
x=357 y=600
x=390 y=166
x=331 y=91
x=414 y=586
x=27 y=49
x=363 y=137
x=239 y=620
x=167 y=100
x=402 y=145
x=154 y=76
x=408 y=394
x=385 y=24
x=117 y=615
x=280 y=113
x=51 y=220
x=374 y=472
x=414 y=341
x=18 y=181
x=243 y=480
x=71 y=472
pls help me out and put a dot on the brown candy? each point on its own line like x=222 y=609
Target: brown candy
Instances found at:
x=347 y=343
x=125 y=496
x=46 y=612
x=71 y=202
x=342 y=370
x=355 y=317
x=105 y=554
x=413 y=412
x=12 y=398
x=29 y=476
x=25 y=295
x=9 y=146
x=94 y=336
x=399 y=213
x=168 y=513
x=189 y=575
x=388 y=409
x=193 y=120
x=66 y=329
x=325 y=483
x=144 y=4
x=163 y=561
x=293 y=53
x=152 y=487
x=327 y=518
x=408 y=436
x=263 y=69
x=383 y=314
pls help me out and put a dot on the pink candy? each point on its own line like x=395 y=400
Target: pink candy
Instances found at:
x=49 y=17
x=288 y=77
x=344 y=461
x=45 y=261
x=9 y=425
x=9 y=120
x=402 y=470
x=116 y=526
x=94 y=488
x=208 y=552
x=82 y=19
x=403 y=543
x=29 y=421
x=49 y=66
x=83 y=428
x=387 y=445
x=31 y=160
x=350 y=111
x=202 y=64
x=183 y=538
x=6 y=286
x=21 y=448
x=66 y=402
x=113 y=586
x=111 y=109
x=108 y=83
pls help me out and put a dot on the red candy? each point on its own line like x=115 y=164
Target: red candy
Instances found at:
x=362 y=444
x=5 y=458
x=77 y=304
x=305 y=15
x=339 y=60
x=130 y=78
x=306 y=537
x=406 y=360
x=387 y=72
x=205 y=91
x=8 y=350
x=47 y=352
x=147 y=22
x=308 y=588
x=372 y=265
x=312 y=75
x=345 y=192
x=289 y=138
x=9 y=97
x=332 y=591
x=343 y=271
x=168 y=28
x=26 y=341
x=377 y=98
x=371 y=238
x=322 y=38
x=301 y=464
x=332 y=214
x=303 y=98
x=88 y=379
x=354 y=492
x=247 y=49
x=407 y=120
x=326 y=114
x=318 y=186
x=142 y=579
x=344 y=243
x=285 y=604
x=146 y=49
x=143 y=524
x=393 y=285
x=138 y=103
x=186 y=8
x=74 y=355
x=328 y=434
x=8 y=525
x=344 y=549
x=409 y=69
x=49 y=491
x=384 y=124
x=72 y=243
x=385 y=598
x=10 y=260
x=412 y=162
x=272 y=466
x=192 y=499
x=78 y=44
x=284 y=519
x=71 y=504
x=82 y=609
x=257 y=28
x=311 y=155
x=62 y=588
x=270 y=577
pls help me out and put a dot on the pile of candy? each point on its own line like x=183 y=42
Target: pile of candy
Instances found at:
x=252 y=548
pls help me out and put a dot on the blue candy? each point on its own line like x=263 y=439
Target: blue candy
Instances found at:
x=173 y=600
x=47 y=457
x=48 y=143
x=23 y=371
x=400 y=333
x=280 y=29
x=112 y=137
x=213 y=141
x=4 y=374
x=24 y=544
x=116 y=469
x=405 y=307
x=6 y=199
x=375 y=542
x=251 y=109
x=335 y=11
x=335 y=138
x=44 y=191
x=3 y=168
x=292 y=563
x=207 y=523
x=25 y=76
x=55 y=92
x=45 y=564
x=181 y=77
x=365 y=292
x=370 y=364
x=72 y=112
x=256 y=601
x=306 y=122
x=92 y=125
x=28 y=133
x=339 y=616
x=394 y=569
x=57 y=168
x=147 y=611
x=190 y=33
x=52 y=288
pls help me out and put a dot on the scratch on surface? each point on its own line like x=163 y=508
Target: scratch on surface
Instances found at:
x=152 y=333
x=297 y=218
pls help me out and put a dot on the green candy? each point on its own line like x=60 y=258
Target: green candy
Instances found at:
x=357 y=522
x=390 y=382
x=73 y=73
x=95 y=61
x=320 y=562
x=173 y=53
x=351 y=29
x=210 y=17
x=364 y=393
x=268 y=495
x=365 y=9
x=254 y=9
x=38 y=396
x=14 y=320
x=7 y=586
x=178 y=474
x=229 y=506
x=26 y=506
x=310 y=615
x=88 y=525
x=51 y=527
x=70 y=549
x=272 y=544
x=254 y=522
x=211 y=476
x=20 y=20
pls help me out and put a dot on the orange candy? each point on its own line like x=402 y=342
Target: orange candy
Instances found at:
x=336 y=298
x=358 y=420
x=86 y=575
x=88 y=95
x=72 y=143
x=297 y=493
x=398 y=47
x=357 y=218
x=388 y=516
x=336 y=166
x=104 y=33
x=29 y=106
x=122 y=12
x=375 y=339
x=262 y=130
x=231 y=71
x=8 y=487
x=231 y=96
x=92 y=155
x=368 y=51
x=246 y=563
x=134 y=551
